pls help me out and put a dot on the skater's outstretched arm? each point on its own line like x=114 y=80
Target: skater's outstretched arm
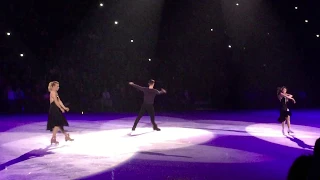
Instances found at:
x=163 y=91
x=136 y=86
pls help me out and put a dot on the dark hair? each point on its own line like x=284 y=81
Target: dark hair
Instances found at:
x=151 y=81
x=280 y=89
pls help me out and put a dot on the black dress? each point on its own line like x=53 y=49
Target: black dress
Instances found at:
x=284 y=111
x=55 y=117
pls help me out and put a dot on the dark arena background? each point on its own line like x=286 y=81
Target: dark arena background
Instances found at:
x=220 y=62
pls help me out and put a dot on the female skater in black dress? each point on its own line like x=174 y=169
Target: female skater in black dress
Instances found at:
x=56 y=120
x=285 y=113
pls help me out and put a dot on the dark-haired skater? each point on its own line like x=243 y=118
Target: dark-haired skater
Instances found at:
x=285 y=113
x=148 y=100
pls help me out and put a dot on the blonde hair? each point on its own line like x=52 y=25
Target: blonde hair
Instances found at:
x=51 y=84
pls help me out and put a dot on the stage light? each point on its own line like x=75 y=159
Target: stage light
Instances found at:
x=230 y=46
x=149 y=59
x=8 y=33
x=211 y=29
x=271 y=132
x=116 y=22
x=296 y=7
x=306 y=21
x=101 y=4
x=318 y=35
x=81 y=112
x=237 y=4
x=21 y=55
x=132 y=40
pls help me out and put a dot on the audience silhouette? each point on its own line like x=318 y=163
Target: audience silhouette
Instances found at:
x=306 y=167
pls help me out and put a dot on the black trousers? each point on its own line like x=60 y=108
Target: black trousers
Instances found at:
x=150 y=109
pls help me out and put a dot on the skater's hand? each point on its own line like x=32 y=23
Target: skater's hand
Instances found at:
x=163 y=90
x=62 y=110
x=131 y=83
x=294 y=101
x=67 y=109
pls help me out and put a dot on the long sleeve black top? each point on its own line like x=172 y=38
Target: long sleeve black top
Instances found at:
x=149 y=94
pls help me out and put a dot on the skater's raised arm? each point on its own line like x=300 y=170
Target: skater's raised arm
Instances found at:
x=136 y=86
x=289 y=96
x=292 y=99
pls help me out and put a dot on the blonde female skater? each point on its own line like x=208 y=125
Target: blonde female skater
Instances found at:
x=56 y=120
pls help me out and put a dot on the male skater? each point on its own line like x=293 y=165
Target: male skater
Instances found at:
x=148 y=100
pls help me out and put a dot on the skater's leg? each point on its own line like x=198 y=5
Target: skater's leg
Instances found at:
x=151 y=113
x=141 y=112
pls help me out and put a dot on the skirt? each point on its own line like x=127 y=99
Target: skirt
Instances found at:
x=56 y=118
x=283 y=115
